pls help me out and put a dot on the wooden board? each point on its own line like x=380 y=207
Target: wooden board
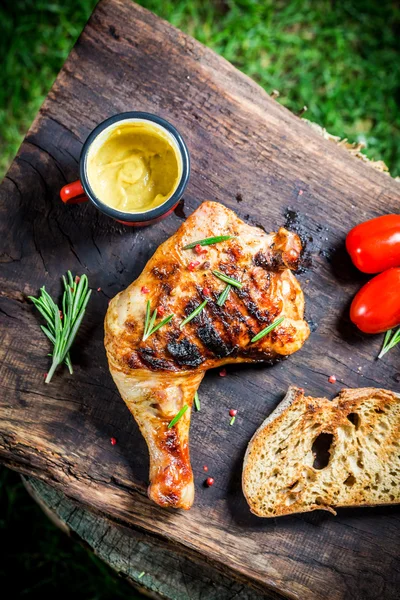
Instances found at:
x=155 y=567
x=266 y=164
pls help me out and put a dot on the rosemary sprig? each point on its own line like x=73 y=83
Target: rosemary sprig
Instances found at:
x=208 y=241
x=197 y=401
x=193 y=314
x=263 y=332
x=149 y=327
x=390 y=341
x=178 y=416
x=146 y=319
x=224 y=295
x=62 y=327
x=227 y=279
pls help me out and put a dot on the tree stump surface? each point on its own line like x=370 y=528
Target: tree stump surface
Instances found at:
x=153 y=566
x=257 y=158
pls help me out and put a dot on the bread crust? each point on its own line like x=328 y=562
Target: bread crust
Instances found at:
x=313 y=417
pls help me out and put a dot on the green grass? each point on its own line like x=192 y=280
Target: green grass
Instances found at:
x=39 y=561
x=338 y=58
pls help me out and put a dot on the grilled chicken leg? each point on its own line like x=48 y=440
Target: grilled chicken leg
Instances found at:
x=159 y=376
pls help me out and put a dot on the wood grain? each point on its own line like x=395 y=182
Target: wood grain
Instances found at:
x=168 y=573
x=266 y=164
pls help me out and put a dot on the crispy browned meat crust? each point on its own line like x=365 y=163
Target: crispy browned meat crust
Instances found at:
x=158 y=376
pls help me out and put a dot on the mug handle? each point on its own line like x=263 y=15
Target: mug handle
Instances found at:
x=73 y=193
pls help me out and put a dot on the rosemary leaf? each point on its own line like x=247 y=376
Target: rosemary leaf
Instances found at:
x=147 y=319
x=193 y=314
x=224 y=295
x=151 y=325
x=264 y=332
x=390 y=341
x=208 y=241
x=197 y=401
x=160 y=324
x=178 y=416
x=227 y=279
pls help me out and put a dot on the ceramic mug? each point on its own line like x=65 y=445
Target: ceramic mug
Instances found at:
x=81 y=190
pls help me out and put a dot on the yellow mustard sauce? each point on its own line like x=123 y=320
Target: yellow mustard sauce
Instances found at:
x=134 y=167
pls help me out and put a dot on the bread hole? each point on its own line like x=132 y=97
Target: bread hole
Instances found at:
x=321 y=450
x=350 y=480
x=309 y=475
x=319 y=500
x=316 y=426
x=290 y=487
x=391 y=497
x=291 y=499
x=355 y=419
x=379 y=411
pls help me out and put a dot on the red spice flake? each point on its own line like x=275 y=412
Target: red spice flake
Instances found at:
x=332 y=379
x=301 y=390
x=300 y=193
x=205 y=468
x=222 y=372
x=99 y=289
x=72 y=289
x=233 y=412
x=45 y=375
x=206 y=291
x=61 y=315
x=209 y=481
x=145 y=290
x=160 y=311
x=77 y=279
x=113 y=441
x=192 y=265
x=199 y=250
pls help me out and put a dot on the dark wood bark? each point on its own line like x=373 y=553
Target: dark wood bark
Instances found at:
x=170 y=572
x=260 y=160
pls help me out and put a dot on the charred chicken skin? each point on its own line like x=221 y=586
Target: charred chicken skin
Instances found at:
x=159 y=376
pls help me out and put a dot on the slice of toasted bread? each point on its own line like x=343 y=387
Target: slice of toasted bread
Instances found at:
x=313 y=453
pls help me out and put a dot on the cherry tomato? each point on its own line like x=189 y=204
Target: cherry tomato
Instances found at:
x=376 y=307
x=375 y=245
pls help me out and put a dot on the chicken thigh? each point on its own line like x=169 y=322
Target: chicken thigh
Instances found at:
x=158 y=376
